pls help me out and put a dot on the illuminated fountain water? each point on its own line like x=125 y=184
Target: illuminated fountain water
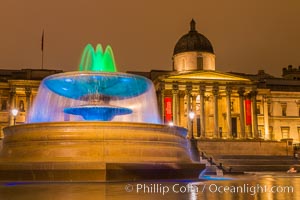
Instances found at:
x=95 y=124
x=95 y=92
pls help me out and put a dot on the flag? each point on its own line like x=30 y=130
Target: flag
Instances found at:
x=42 y=44
x=168 y=109
x=248 y=111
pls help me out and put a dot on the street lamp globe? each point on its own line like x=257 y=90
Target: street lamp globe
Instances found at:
x=14 y=112
x=191 y=115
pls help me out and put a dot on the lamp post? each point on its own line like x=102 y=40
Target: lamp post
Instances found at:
x=14 y=112
x=191 y=116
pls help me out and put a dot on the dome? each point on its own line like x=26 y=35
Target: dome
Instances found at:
x=193 y=41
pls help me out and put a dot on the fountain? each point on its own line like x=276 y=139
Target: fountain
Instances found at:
x=95 y=124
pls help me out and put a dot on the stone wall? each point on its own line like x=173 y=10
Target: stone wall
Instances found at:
x=245 y=147
x=188 y=61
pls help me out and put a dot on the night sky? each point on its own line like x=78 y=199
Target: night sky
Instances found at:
x=246 y=35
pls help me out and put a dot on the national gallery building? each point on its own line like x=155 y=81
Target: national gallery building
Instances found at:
x=213 y=104
x=209 y=103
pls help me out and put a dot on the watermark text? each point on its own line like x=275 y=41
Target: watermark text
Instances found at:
x=163 y=189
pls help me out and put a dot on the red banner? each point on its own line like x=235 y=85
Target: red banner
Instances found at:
x=168 y=109
x=248 y=111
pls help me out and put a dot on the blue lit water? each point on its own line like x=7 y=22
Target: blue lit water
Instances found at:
x=98 y=113
x=122 y=97
x=271 y=186
x=75 y=85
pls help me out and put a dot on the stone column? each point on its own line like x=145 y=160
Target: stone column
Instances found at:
x=254 y=113
x=161 y=101
x=228 y=111
x=28 y=99
x=194 y=124
x=175 y=103
x=215 y=92
x=241 y=92
x=12 y=103
x=266 y=119
x=188 y=108
x=298 y=109
x=202 y=111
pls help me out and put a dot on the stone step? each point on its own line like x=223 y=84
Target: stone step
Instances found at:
x=244 y=163
x=256 y=162
x=260 y=168
x=251 y=157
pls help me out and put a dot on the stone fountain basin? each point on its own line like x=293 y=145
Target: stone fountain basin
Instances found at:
x=95 y=141
x=85 y=151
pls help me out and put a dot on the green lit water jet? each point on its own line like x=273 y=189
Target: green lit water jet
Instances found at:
x=97 y=60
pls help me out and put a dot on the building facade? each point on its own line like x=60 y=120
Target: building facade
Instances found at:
x=18 y=89
x=213 y=104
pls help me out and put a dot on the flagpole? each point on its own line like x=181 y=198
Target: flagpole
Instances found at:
x=42 y=59
x=42 y=48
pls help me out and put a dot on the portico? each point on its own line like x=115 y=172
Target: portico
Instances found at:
x=216 y=98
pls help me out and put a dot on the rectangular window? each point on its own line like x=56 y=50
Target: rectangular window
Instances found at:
x=269 y=109
x=3 y=104
x=283 y=109
x=258 y=109
x=200 y=62
x=285 y=131
x=283 y=112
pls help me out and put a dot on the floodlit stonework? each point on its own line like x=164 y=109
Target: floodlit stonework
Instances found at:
x=194 y=61
x=18 y=89
x=226 y=105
